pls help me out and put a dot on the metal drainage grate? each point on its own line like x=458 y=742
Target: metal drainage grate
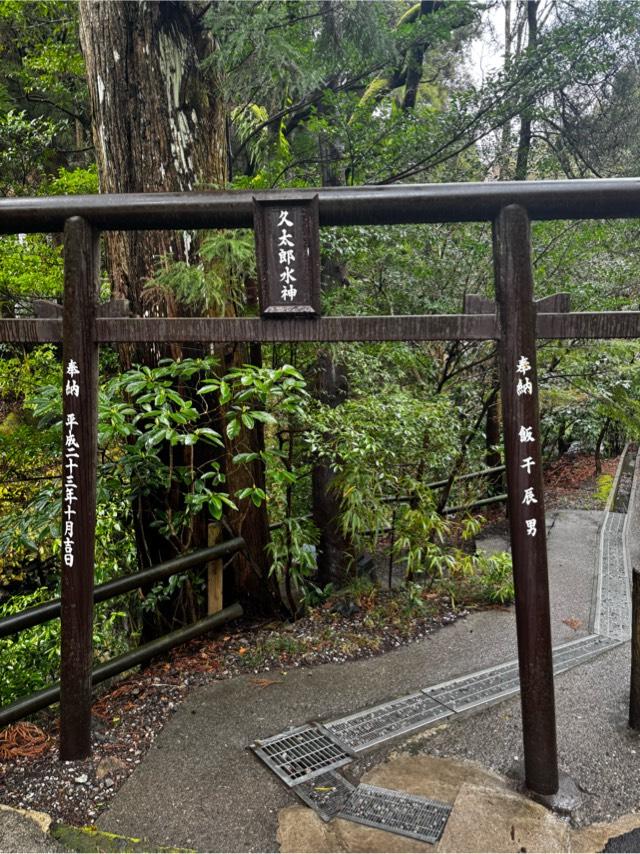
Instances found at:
x=576 y=652
x=624 y=486
x=396 y=812
x=477 y=689
x=300 y=754
x=614 y=603
x=369 y=727
x=497 y=683
x=327 y=794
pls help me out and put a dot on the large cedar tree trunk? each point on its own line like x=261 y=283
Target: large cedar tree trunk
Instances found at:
x=158 y=122
x=159 y=126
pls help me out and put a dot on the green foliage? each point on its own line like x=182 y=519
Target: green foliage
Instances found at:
x=227 y=260
x=31 y=265
x=24 y=142
x=605 y=485
x=71 y=182
x=43 y=95
x=22 y=375
x=30 y=660
x=495 y=576
x=292 y=551
x=317 y=94
x=588 y=386
x=375 y=444
x=140 y=411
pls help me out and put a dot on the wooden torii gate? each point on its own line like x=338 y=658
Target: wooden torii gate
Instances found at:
x=516 y=325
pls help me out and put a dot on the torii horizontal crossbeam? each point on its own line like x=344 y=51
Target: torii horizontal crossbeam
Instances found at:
x=464 y=327
x=369 y=205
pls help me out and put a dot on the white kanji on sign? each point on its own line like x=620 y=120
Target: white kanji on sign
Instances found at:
x=529 y=497
x=523 y=365
x=287 y=276
x=72 y=369
x=70 y=441
x=532 y=525
x=527 y=463
x=526 y=434
x=285 y=239
x=284 y=220
x=524 y=387
x=286 y=256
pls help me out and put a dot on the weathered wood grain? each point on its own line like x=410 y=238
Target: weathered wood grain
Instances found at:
x=368 y=205
x=80 y=457
x=519 y=394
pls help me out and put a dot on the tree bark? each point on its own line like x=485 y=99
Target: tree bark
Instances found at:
x=492 y=438
x=158 y=121
x=159 y=124
x=333 y=548
x=524 y=141
x=597 y=456
x=504 y=153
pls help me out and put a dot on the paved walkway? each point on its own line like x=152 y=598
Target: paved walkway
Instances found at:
x=200 y=787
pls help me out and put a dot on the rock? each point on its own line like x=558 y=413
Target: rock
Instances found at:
x=42 y=819
x=487 y=815
x=595 y=837
x=108 y=766
x=345 y=609
x=489 y=819
x=25 y=830
x=300 y=829
x=431 y=776
x=81 y=780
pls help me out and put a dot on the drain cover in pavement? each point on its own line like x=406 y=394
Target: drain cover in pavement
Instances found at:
x=496 y=683
x=300 y=754
x=477 y=689
x=397 y=812
x=614 y=603
x=327 y=794
x=370 y=727
x=576 y=652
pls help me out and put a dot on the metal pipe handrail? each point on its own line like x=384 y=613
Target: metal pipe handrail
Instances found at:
x=481 y=503
x=405 y=499
x=48 y=696
x=50 y=610
x=438 y=484
x=368 y=205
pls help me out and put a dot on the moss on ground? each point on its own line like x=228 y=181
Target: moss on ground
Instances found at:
x=90 y=839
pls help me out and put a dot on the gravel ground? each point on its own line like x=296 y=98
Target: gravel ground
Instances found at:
x=129 y=716
x=595 y=745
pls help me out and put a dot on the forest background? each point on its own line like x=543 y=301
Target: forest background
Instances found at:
x=300 y=449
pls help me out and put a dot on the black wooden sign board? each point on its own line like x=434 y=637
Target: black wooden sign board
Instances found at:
x=288 y=255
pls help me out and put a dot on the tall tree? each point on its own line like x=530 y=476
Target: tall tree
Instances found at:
x=158 y=119
x=159 y=124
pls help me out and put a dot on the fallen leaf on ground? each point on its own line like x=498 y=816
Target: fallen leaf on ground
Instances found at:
x=264 y=683
x=573 y=623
